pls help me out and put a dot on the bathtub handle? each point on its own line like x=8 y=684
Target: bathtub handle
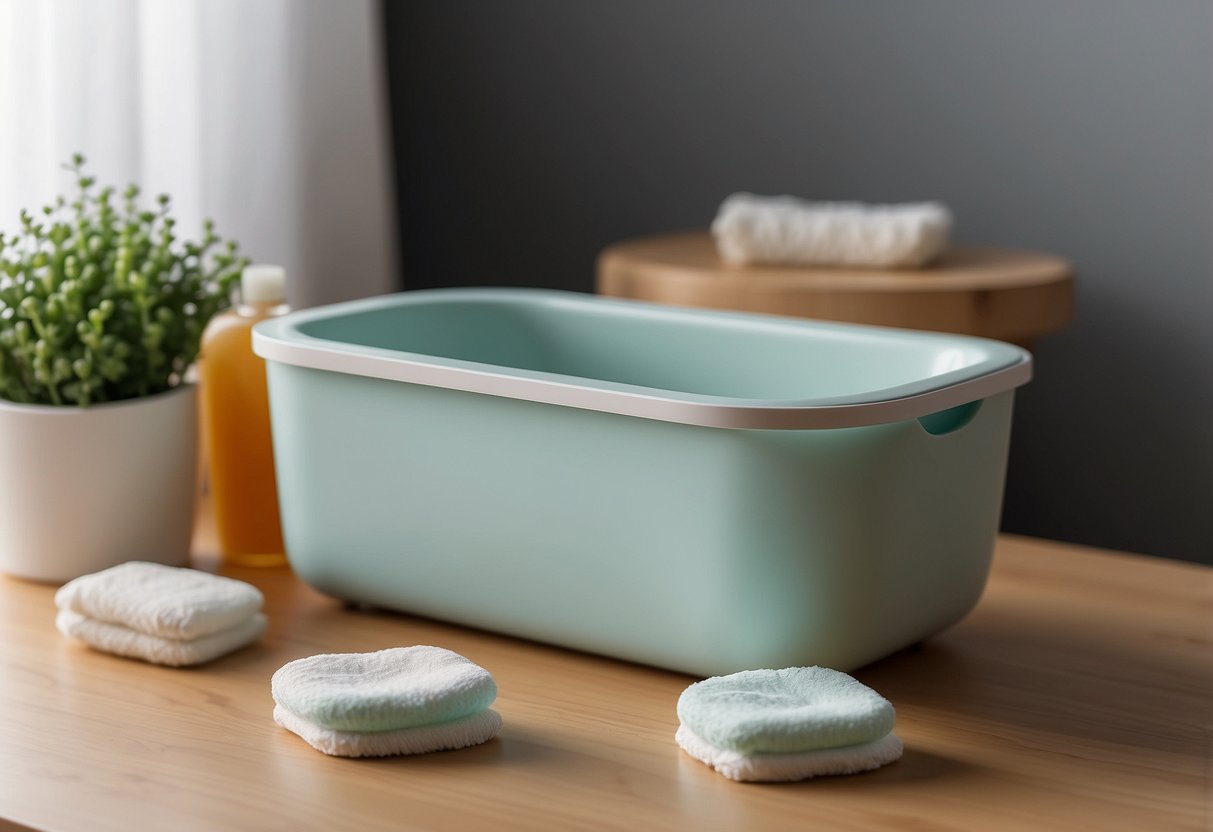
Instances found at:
x=944 y=422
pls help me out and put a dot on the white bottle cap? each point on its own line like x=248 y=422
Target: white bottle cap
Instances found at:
x=263 y=284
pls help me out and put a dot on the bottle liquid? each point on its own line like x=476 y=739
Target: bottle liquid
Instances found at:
x=236 y=424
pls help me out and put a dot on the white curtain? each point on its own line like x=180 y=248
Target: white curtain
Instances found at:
x=269 y=116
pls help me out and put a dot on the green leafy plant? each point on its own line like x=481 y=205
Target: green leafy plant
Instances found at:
x=100 y=303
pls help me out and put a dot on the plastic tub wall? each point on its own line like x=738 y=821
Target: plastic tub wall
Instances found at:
x=697 y=548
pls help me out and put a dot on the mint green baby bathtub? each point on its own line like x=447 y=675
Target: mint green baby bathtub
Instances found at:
x=703 y=491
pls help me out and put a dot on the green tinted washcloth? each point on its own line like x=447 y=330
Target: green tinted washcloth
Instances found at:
x=403 y=687
x=797 y=709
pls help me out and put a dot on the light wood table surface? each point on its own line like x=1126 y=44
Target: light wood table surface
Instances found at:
x=994 y=293
x=1076 y=696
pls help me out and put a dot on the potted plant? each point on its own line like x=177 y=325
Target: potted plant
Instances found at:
x=101 y=312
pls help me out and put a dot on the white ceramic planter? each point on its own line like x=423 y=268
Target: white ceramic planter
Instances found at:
x=83 y=489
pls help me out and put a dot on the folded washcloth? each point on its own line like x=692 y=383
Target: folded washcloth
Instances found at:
x=777 y=711
x=160 y=614
x=776 y=768
x=786 y=724
x=162 y=601
x=445 y=736
x=402 y=687
x=404 y=700
x=123 y=641
x=784 y=229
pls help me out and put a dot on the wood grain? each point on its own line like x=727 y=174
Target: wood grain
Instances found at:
x=994 y=293
x=1077 y=696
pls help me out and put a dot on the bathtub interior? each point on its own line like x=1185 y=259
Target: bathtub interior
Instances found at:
x=741 y=357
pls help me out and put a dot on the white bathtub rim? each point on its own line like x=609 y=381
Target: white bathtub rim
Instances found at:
x=281 y=340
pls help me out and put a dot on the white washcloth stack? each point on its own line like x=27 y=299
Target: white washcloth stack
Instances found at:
x=781 y=725
x=160 y=614
x=790 y=231
x=404 y=700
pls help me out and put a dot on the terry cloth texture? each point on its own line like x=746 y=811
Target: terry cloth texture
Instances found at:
x=786 y=230
x=446 y=736
x=123 y=641
x=776 y=768
x=402 y=687
x=161 y=601
x=790 y=710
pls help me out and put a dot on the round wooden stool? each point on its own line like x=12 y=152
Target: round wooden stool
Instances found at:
x=1009 y=295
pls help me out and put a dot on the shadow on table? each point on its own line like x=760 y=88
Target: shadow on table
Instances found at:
x=1039 y=673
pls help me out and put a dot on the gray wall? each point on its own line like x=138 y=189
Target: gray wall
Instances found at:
x=532 y=133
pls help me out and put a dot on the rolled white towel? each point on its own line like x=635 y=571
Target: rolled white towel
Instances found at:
x=791 y=231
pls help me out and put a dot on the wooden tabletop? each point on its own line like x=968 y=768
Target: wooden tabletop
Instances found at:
x=991 y=292
x=1076 y=696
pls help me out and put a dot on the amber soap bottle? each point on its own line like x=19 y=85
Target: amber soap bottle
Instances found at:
x=236 y=423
